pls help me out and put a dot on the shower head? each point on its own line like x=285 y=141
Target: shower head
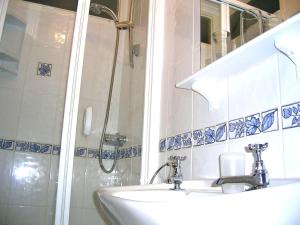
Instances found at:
x=98 y=9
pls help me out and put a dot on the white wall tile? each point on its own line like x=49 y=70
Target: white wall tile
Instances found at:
x=53 y=181
x=3 y=212
x=94 y=179
x=45 y=84
x=291 y=152
x=50 y=216
x=52 y=26
x=10 y=112
x=92 y=217
x=30 y=179
x=76 y=216
x=124 y=169
x=78 y=181
x=37 y=117
x=254 y=90
x=179 y=104
x=289 y=84
x=58 y=120
x=17 y=215
x=135 y=170
x=205 y=162
x=6 y=166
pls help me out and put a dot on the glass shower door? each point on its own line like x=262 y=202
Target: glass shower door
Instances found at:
x=123 y=135
x=34 y=61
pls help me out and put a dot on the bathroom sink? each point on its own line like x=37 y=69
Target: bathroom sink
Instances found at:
x=199 y=203
x=161 y=195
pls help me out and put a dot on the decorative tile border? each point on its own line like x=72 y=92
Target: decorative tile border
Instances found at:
x=186 y=139
x=252 y=124
x=255 y=124
x=33 y=147
x=221 y=132
x=236 y=128
x=291 y=115
x=209 y=135
x=198 y=137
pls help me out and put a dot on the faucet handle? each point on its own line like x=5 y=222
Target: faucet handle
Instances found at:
x=258 y=149
x=177 y=158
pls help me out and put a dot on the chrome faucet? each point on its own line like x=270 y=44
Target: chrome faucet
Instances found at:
x=176 y=177
x=259 y=179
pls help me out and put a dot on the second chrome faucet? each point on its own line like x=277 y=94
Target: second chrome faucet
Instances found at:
x=260 y=177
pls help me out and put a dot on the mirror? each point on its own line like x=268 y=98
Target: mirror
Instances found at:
x=228 y=24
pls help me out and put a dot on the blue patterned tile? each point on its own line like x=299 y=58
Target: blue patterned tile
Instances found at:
x=80 y=152
x=134 y=151
x=170 y=143
x=198 y=137
x=121 y=153
x=221 y=132
x=7 y=144
x=56 y=149
x=112 y=154
x=44 y=69
x=39 y=148
x=106 y=154
x=186 y=140
x=269 y=120
x=209 y=135
x=128 y=152
x=162 y=145
x=25 y=146
x=177 y=142
x=236 y=128
x=290 y=115
x=34 y=147
x=252 y=124
x=46 y=148
x=93 y=153
x=22 y=146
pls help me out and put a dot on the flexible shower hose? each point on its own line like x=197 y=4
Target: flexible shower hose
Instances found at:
x=108 y=110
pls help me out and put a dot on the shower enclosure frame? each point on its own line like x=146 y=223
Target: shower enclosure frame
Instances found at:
x=151 y=104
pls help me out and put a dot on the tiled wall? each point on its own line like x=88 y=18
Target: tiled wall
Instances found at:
x=32 y=113
x=260 y=104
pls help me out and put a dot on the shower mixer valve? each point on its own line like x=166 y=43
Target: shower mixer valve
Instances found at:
x=116 y=140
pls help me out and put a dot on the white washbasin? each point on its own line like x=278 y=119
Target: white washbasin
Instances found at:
x=200 y=204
